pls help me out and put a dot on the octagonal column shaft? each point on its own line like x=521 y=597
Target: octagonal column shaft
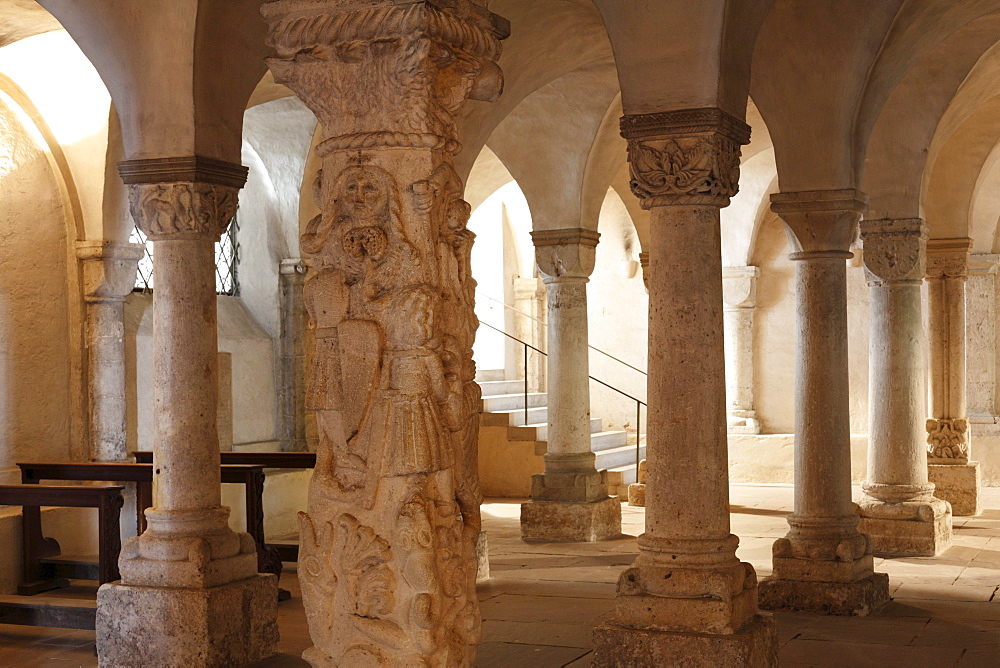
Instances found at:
x=898 y=511
x=956 y=477
x=108 y=271
x=569 y=502
x=824 y=564
x=687 y=596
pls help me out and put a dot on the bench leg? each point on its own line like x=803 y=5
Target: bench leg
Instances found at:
x=36 y=547
x=109 y=520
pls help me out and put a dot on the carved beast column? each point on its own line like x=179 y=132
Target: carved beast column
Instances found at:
x=388 y=546
x=898 y=511
x=824 y=564
x=568 y=502
x=956 y=478
x=108 y=271
x=687 y=597
x=190 y=592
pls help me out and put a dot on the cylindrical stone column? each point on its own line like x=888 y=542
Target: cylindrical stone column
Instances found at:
x=687 y=596
x=292 y=394
x=739 y=292
x=956 y=477
x=184 y=218
x=569 y=502
x=898 y=511
x=824 y=564
x=108 y=275
x=981 y=329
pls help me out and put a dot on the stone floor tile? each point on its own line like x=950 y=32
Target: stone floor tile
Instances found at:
x=541 y=609
x=583 y=662
x=840 y=653
x=980 y=657
x=573 y=634
x=942 y=592
x=882 y=630
x=910 y=607
x=965 y=633
x=506 y=655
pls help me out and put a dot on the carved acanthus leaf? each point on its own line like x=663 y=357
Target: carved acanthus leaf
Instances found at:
x=182 y=210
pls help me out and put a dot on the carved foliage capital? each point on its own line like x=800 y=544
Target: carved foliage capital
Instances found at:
x=948 y=258
x=688 y=157
x=894 y=250
x=947 y=440
x=108 y=269
x=565 y=253
x=182 y=210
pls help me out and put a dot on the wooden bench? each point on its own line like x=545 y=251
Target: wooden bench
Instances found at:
x=287 y=551
x=249 y=475
x=37 y=548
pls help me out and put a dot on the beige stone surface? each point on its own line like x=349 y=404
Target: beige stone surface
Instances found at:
x=562 y=521
x=158 y=626
x=754 y=646
x=860 y=598
x=959 y=485
x=637 y=494
x=506 y=466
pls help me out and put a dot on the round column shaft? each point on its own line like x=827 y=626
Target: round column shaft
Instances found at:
x=956 y=477
x=824 y=564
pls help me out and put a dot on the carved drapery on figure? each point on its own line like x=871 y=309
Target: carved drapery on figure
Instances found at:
x=388 y=550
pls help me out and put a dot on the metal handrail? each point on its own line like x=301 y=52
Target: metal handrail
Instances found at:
x=639 y=403
x=545 y=324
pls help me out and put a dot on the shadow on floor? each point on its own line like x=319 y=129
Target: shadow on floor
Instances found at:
x=747 y=510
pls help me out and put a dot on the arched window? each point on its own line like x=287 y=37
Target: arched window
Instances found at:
x=227 y=255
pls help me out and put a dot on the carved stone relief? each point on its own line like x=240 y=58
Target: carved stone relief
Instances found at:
x=389 y=539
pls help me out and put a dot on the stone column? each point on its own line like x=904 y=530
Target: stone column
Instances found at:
x=108 y=276
x=955 y=476
x=529 y=325
x=981 y=339
x=824 y=564
x=189 y=590
x=898 y=510
x=687 y=599
x=569 y=502
x=291 y=356
x=388 y=545
x=739 y=294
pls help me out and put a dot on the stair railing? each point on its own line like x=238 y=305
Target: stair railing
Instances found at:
x=545 y=324
x=639 y=403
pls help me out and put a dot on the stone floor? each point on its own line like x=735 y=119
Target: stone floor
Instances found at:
x=543 y=599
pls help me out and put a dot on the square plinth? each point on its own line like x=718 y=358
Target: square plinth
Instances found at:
x=825 y=598
x=957 y=484
x=755 y=645
x=637 y=494
x=563 y=522
x=233 y=624
x=907 y=538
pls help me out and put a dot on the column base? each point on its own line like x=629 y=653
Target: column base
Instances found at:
x=637 y=494
x=825 y=598
x=906 y=529
x=161 y=626
x=958 y=484
x=754 y=645
x=559 y=521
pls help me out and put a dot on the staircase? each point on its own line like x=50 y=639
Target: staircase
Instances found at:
x=503 y=407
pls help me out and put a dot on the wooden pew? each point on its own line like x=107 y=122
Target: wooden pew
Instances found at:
x=249 y=475
x=276 y=460
x=107 y=499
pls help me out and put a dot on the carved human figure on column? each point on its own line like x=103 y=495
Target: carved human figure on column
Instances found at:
x=389 y=538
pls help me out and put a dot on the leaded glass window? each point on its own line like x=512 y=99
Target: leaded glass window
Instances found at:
x=227 y=255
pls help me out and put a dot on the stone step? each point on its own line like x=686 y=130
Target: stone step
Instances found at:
x=623 y=477
x=493 y=388
x=605 y=440
x=516 y=417
x=623 y=455
x=489 y=375
x=506 y=402
x=540 y=431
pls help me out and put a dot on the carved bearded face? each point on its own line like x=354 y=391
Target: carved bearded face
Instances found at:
x=363 y=196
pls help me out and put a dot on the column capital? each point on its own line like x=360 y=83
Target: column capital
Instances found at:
x=820 y=223
x=187 y=197
x=431 y=55
x=567 y=253
x=948 y=258
x=646 y=269
x=894 y=250
x=293 y=265
x=739 y=287
x=684 y=157
x=108 y=269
